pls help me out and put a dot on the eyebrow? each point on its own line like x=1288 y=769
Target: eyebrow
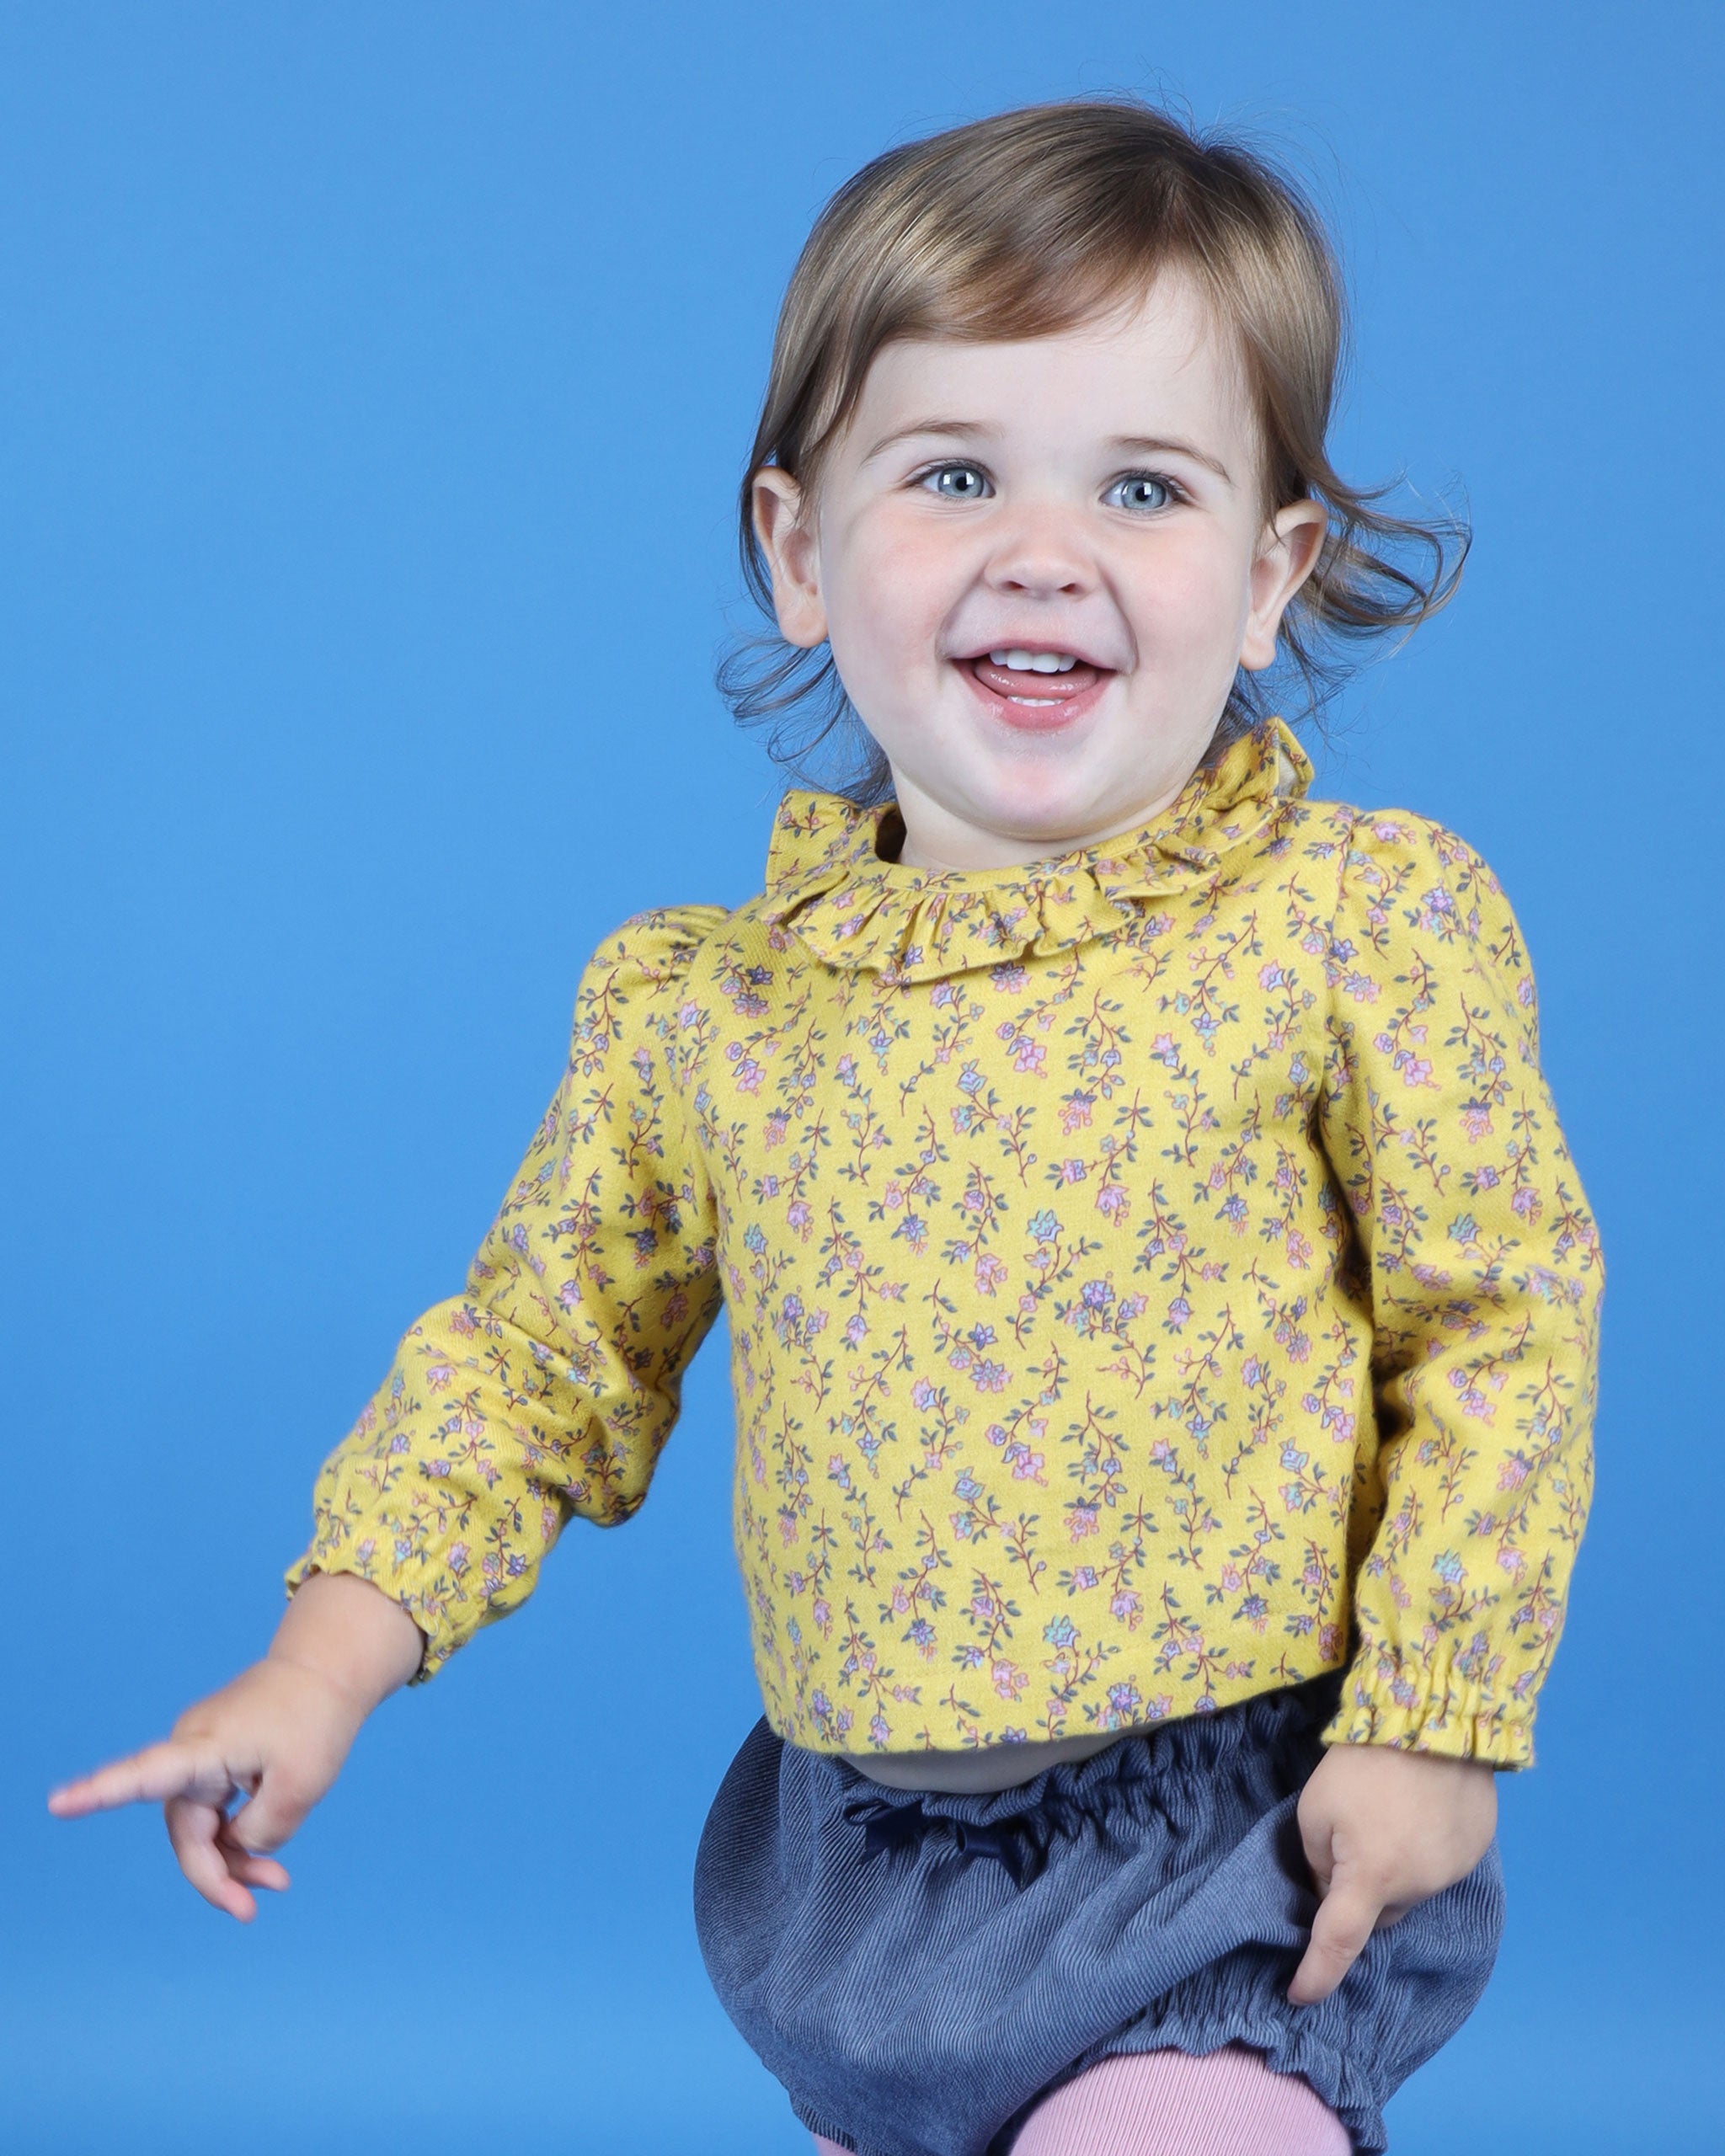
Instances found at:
x=974 y=429
x=1155 y=445
x=970 y=428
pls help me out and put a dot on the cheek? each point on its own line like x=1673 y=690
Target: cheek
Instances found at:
x=888 y=596
x=1192 y=601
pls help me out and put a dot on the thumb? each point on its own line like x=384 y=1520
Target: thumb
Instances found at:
x=1318 y=1839
x=275 y=1813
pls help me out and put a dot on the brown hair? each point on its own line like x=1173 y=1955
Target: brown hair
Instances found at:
x=1030 y=223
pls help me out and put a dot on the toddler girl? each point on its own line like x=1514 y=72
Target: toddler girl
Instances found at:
x=1161 y=1305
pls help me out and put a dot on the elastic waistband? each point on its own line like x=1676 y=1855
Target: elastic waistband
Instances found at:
x=1262 y=1737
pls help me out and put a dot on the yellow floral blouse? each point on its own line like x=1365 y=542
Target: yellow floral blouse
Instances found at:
x=1154 y=1275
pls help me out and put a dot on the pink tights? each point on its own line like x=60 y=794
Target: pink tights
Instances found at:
x=1162 y=2103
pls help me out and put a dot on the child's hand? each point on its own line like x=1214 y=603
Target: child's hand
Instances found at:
x=277 y=1736
x=1384 y=1830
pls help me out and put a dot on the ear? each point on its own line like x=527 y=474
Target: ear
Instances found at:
x=1287 y=555
x=792 y=557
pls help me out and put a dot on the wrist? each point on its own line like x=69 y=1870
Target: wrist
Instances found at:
x=351 y=1635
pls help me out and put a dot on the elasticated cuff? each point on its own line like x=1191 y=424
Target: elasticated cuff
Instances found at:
x=1417 y=1707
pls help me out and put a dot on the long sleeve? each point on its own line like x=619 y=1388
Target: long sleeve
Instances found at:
x=546 y=1390
x=1482 y=1267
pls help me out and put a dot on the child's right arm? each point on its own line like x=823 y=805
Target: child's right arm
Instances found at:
x=543 y=1392
x=276 y=1735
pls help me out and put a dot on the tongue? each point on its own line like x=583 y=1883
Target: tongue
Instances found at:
x=1009 y=681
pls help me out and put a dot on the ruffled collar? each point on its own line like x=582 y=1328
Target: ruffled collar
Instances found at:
x=825 y=878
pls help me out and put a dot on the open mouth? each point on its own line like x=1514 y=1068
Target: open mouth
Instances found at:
x=1035 y=688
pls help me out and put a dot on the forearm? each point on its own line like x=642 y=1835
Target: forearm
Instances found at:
x=351 y=1634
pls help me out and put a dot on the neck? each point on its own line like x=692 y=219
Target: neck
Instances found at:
x=937 y=839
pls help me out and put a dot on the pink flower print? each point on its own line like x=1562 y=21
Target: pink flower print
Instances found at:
x=773 y=1129
x=746 y=1068
x=1009 y=1680
x=1299 y=1250
x=1360 y=987
x=1083 y=1576
x=1028 y=1057
x=1232 y=1577
x=1026 y=1465
x=464 y=1322
x=800 y=1217
x=1526 y=1203
x=990 y=1273
x=1515 y=1471
x=1112 y=1202
x=1073 y=1171
x=1178 y=1312
x=1476 y=1121
x=1082 y=1515
x=1126 y=1607
x=1008 y=979
x=856 y=1330
x=1271 y=976
x=440 y=1376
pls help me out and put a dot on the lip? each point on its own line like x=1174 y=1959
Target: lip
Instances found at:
x=1051 y=718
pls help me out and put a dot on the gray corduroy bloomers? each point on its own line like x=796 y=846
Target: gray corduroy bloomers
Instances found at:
x=919 y=1969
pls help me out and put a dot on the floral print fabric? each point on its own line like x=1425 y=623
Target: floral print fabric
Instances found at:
x=1150 y=1274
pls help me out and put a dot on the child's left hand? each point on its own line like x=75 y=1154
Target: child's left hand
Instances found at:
x=1384 y=1830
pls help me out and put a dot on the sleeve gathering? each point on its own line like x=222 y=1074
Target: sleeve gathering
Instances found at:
x=546 y=1390
x=1483 y=1266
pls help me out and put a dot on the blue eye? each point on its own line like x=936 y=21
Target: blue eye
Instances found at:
x=1138 y=490
x=958 y=482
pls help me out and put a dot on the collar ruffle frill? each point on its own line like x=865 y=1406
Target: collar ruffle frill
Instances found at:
x=826 y=880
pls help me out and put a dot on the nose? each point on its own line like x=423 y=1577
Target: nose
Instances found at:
x=1041 y=557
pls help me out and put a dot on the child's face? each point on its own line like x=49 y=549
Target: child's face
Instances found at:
x=1093 y=498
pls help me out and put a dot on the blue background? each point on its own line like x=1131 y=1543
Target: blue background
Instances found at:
x=373 y=381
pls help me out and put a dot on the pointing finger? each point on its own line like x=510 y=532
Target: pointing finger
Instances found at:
x=152 y=1776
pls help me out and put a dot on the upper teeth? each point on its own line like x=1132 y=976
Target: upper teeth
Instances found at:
x=1033 y=662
